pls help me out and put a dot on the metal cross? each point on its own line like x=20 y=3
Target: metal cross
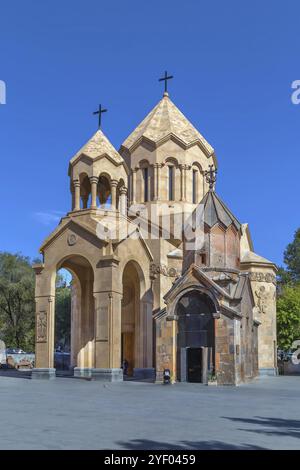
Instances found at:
x=99 y=112
x=165 y=79
x=211 y=176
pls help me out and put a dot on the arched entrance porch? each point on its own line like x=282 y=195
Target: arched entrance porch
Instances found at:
x=195 y=337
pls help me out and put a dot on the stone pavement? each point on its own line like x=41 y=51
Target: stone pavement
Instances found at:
x=77 y=414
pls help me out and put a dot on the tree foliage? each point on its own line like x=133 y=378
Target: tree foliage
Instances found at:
x=292 y=258
x=288 y=316
x=17 y=306
x=62 y=316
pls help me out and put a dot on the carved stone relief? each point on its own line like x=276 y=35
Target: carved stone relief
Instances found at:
x=41 y=327
x=156 y=269
x=262 y=277
x=262 y=299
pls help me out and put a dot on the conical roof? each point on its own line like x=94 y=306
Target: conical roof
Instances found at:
x=215 y=210
x=97 y=146
x=165 y=121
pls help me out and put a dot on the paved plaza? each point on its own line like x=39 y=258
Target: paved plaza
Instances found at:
x=71 y=413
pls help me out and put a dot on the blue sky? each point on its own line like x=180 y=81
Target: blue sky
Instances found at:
x=233 y=64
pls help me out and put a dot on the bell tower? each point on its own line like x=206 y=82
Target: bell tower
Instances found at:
x=98 y=177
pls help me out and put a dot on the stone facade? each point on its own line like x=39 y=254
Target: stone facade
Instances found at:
x=140 y=293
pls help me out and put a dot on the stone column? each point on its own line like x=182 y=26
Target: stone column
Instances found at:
x=182 y=182
x=77 y=195
x=144 y=364
x=133 y=185
x=123 y=201
x=94 y=185
x=108 y=321
x=114 y=184
x=44 y=321
x=73 y=197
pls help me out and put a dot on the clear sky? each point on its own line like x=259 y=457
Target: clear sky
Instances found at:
x=233 y=64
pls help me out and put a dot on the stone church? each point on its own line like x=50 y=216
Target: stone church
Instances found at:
x=164 y=275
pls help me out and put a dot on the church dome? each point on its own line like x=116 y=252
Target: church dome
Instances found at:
x=96 y=147
x=163 y=122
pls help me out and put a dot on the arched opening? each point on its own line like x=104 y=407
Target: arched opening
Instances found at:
x=131 y=347
x=146 y=181
x=62 y=329
x=195 y=186
x=85 y=191
x=197 y=190
x=172 y=181
x=195 y=337
x=74 y=316
x=104 y=192
x=171 y=178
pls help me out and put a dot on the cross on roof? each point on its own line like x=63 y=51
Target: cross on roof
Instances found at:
x=99 y=112
x=165 y=79
x=211 y=176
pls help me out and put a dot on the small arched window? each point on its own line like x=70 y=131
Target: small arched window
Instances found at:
x=171 y=182
x=195 y=186
x=146 y=183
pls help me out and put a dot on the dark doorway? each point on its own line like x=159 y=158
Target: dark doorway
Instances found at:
x=195 y=337
x=194 y=364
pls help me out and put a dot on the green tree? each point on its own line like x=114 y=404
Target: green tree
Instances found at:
x=62 y=315
x=17 y=305
x=292 y=258
x=288 y=316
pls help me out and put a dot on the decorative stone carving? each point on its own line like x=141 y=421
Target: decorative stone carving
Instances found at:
x=263 y=277
x=262 y=296
x=41 y=327
x=72 y=239
x=156 y=269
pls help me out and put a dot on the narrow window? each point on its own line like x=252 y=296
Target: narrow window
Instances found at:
x=171 y=183
x=146 y=190
x=195 y=186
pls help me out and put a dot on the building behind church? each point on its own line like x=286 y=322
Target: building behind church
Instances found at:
x=164 y=275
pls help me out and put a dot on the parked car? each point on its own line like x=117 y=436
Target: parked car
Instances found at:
x=15 y=351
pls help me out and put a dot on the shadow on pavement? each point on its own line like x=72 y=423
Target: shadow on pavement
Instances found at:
x=145 y=444
x=17 y=374
x=274 y=426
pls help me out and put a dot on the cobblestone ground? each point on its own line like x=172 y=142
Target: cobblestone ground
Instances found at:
x=75 y=414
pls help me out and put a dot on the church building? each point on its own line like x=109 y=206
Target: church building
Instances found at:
x=164 y=276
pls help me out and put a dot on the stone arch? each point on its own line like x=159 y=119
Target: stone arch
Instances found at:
x=82 y=312
x=85 y=189
x=135 y=314
x=193 y=287
x=104 y=189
